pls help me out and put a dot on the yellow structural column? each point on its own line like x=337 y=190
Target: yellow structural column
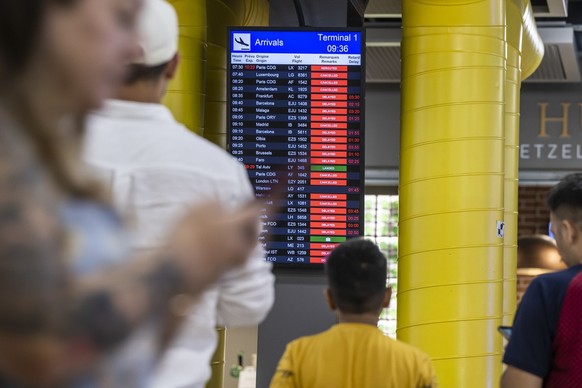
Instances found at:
x=512 y=93
x=523 y=44
x=222 y=14
x=532 y=51
x=186 y=93
x=256 y=13
x=451 y=186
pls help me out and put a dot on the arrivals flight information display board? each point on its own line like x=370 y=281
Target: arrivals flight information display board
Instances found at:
x=296 y=121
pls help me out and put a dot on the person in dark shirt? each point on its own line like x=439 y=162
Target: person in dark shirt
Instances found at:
x=545 y=348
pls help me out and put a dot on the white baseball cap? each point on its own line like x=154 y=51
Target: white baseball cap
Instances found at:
x=157 y=29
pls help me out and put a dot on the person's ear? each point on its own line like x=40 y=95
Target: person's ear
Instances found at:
x=387 y=298
x=172 y=67
x=569 y=232
x=137 y=54
x=329 y=299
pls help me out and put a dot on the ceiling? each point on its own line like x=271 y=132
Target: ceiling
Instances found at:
x=559 y=23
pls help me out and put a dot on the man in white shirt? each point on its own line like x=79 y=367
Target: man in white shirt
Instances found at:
x=157 y=169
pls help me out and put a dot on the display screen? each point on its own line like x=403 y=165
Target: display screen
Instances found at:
x=295 y=119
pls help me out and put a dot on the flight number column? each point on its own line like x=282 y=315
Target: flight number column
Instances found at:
x=298 y=118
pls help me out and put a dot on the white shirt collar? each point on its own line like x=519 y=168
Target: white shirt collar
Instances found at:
x=134 y=110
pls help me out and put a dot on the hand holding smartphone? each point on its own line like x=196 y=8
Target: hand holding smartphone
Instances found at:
x=505 y=331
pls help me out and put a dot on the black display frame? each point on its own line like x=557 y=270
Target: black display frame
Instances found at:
x=362 y=129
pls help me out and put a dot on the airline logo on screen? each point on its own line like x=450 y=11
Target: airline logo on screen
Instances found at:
x=241 y=42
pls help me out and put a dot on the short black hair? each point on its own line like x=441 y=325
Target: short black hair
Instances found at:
x=565 y=199
x=356 y=272
x=137 y=73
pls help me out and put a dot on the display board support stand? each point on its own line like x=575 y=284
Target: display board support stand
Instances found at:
x=300 y=308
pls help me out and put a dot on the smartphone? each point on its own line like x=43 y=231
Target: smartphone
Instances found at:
x=505 y=331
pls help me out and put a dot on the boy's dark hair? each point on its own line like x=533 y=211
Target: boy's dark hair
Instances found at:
x=356 y=273
x=565 y=199
x=137 y=73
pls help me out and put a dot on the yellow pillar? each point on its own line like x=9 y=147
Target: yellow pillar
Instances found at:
x=218 y=361
x=512 y=92
x=256 y=13
x=186 y=92
x=451 y=186
x=222 y=14
x=523 y=41
x=532 y=47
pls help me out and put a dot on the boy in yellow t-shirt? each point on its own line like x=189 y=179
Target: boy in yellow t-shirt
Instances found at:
x=354 y=353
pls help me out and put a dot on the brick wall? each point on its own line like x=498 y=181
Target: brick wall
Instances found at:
x=534 y=218
x=534 y=215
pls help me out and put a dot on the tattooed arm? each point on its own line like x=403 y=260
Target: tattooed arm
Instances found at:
x=33 y=276
x=35 y=286
x=40 y=297
x=162 y=287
